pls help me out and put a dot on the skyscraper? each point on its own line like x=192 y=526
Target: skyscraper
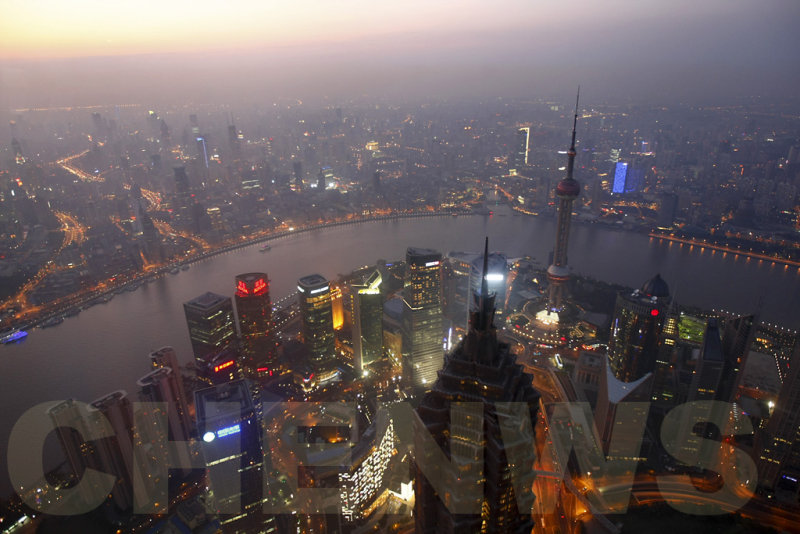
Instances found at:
x=116 y=452
x=202 y=150
x=620 y=178
x=228 y=425
x=166 y=357
x=423 y=349
x=367 y=321
x=181 y=181
x=737 y=337
x=317 y=315
x=636 y=330
x=779 y=445
x=72 y=422
x=211 y=325
x=254 y=313
x=162 y=385
x=496 y=278
x=519 y=159
x=710 y=365
x=567 y=191
x=481 y=370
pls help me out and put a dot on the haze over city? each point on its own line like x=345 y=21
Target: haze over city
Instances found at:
x=256 y=255
x=79 y=53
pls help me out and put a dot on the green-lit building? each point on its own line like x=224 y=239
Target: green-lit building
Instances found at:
x=367 y=321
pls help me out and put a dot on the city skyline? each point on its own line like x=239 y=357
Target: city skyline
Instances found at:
x=261 y=231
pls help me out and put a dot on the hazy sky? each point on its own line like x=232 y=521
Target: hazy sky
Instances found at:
x=86 y=51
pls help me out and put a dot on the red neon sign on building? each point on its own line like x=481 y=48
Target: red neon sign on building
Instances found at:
x=220 y=367
x=241 y=287
x=259 y=286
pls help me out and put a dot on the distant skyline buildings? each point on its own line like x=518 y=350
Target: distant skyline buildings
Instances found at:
x=519 y=159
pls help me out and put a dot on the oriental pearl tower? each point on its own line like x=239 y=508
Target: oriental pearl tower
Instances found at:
x=567 y=191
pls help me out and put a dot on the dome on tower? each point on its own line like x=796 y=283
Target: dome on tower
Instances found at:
x=568 y=188
x=656 y=287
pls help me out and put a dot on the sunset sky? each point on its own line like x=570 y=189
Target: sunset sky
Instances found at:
x=746 y=42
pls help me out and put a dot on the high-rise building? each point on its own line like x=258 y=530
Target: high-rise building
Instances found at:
x=116 y=452
x=163 y=418
x=481 y=370
x=667 y=209
x=317 y=316
x=709 y=367
x=72 y=422
x=162 y=385
x=181 y=181
x=254 y=314
x=611 y=393
x=618 y=187
x=496 y=278
x=779 y=444
x=567 y=191
x=365 y=481
x=202 y=150
x=456 y=292
x=297 y=174
x=367 y=321
x=228 y=425
x=211 y=325
x=423 y=348
x=519 y=159
x=737 y=337
x=636 y=330
x=167 y=357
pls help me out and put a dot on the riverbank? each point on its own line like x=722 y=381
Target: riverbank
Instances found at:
x=74 y=304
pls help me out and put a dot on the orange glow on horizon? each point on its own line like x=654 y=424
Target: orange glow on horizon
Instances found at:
x=38 y=29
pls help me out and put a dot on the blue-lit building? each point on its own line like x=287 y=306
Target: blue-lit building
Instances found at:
x=228 y=424
x=627 y=178
x=620 y=177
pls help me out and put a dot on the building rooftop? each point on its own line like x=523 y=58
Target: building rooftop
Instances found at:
x=655 y=287
x=251 y=277
x=153 y=375
x=206 y=301
x=619 y=390
x=235 y=392
x=312 y=281
x=422 y=255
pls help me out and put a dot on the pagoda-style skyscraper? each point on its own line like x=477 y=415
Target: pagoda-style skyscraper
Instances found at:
x=480 y=370
x=567 y=191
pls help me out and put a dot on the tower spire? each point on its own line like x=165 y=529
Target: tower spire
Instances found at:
x=566 y=191
x=575 y=122
x=484 y=283
x=481 y=318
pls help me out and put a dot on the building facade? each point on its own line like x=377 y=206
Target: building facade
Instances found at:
x=423 y=348
x=256 y=331
x=211 y=325
x=367 y=321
